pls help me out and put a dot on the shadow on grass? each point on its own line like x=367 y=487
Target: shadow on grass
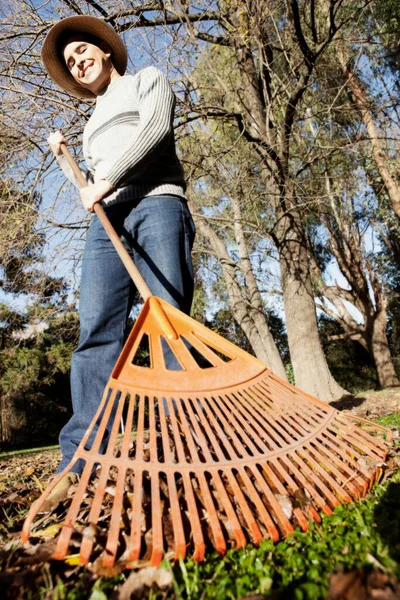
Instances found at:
x=387 y=519
x=347 y=402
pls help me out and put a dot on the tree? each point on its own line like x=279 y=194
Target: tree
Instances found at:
x=274 y=49
x=365 y=291
x=224 y=194
x=36 y=341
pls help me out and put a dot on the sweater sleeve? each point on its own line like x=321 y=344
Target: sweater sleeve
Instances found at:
x=69 y=174
x=66 y=169
x=156 y=109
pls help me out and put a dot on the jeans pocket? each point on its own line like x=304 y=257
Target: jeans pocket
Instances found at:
x=190 y=233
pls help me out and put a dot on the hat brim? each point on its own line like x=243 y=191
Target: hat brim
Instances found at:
x=51 y=51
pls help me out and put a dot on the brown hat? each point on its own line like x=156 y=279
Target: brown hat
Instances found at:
x=92 y=28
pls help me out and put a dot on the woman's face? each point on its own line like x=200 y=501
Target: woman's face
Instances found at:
x=89 y=65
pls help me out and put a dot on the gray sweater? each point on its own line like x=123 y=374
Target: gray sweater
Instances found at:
x=129 y=139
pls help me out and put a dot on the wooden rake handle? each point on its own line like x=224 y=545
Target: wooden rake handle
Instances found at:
x=132 y=269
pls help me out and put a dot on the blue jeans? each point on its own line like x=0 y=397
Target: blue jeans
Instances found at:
x=158 y=231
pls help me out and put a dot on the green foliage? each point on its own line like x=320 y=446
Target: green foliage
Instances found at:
x=290 y=373
x=392 y=420
x=387 y=15
x=349 y=363
x=34 y=374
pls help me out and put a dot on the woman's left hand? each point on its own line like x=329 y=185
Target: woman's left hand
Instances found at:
x=95 y=192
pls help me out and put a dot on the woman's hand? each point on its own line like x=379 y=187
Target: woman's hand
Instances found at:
x=55 y=140
x=95 y=192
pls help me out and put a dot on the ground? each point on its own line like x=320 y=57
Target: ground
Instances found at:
x=371 y=404
x=353 y=557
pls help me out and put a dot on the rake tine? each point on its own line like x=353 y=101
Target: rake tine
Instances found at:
x=198 y=538
x=240 y=429
x=68 y=528
x=355 y=443
x=283 y=427
x=324 y=473
x=244 y=506
x=256 y=428
x=156 y=521
x=298 y=475
x=277 y=435
x=259 y=504
x=369 y=442
x=274 y=504
x=135 y=539
x=302 y=466
x=179 y=536
x=219 y=540
x=387 y=432
x=230 y=512
x=95 y=509
x=337 y=467
x=348 y=453
x=299 y=421
x=110 y=552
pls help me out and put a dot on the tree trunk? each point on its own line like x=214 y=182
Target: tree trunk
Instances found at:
x=379 y=346
x=13 y=420
x=381 y=354
x=248 y=317
x=310 y=368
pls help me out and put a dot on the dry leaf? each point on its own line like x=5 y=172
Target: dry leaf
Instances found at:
x=147 y=577
x=100 y=570
x=50 y=532
x=285 y=504
x=360 y=585
x=72 y=559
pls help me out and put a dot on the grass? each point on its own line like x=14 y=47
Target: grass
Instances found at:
x=392 y=420
x=27 y=451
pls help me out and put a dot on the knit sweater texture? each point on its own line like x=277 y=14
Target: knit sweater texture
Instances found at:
x=129 y=139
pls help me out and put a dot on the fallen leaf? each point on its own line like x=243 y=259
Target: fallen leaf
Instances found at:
x=100 y=570
x=50 y=532
x=147 y=577
x=72 y=559
x=285 y=504
x=36 y=480
x=362 y=585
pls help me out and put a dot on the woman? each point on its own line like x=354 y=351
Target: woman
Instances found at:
x=133 y=170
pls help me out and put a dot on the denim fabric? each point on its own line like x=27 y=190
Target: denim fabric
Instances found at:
x=158 y=231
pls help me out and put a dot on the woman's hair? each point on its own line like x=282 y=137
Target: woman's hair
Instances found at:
x=74 y=36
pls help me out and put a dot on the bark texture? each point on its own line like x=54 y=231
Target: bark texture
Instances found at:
x=308 y=360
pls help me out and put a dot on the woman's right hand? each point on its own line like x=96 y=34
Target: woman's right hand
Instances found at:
x=55 y=140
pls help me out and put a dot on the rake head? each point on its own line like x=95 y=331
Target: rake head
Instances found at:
x=217 y=450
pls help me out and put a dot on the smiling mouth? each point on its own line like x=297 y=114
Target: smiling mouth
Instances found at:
x=89 y=66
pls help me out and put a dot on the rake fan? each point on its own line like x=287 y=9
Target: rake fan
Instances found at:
x=221 y=449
